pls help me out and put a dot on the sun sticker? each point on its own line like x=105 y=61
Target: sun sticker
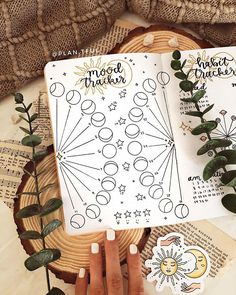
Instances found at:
x=180 y=267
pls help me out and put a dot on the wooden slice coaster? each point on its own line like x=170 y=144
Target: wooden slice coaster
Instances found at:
x=75 y=249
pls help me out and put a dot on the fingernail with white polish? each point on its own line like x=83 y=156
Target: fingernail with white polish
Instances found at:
x=95 y=248
x=111 y=235
x=133 y=249
x=82 y=273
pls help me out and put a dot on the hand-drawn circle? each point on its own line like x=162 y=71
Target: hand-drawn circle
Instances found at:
x=124 y=73
x=98 y=119
x=181 y=211
x=149 y=85
x=134 y=148
x=135 y=114
x=77 y=221
x=140 y=99
x=73 y=97
x=155 y=191
x=165 y=205
x=146 y=178
x=103 y=198
x=132 y=131
x=88 y=107
x=105 y=134
x=108 y=183
x=140 y=163
x=110 y=168
x=109 y=151
x=93 y=211
x=163 y=78
x=57 y=89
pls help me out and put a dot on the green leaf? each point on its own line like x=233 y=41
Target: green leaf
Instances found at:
x=27 y=172
x=55 y=291
x=28 y=194
x=46 y=187
x=198 y=95
x=213 y=144
x=28 y=107
x=186 y=85
x=229 y=202
x=208 y=109
x=25 y=130
x=212 y=166
x=229 y=178
x=29 y=211
x=33 y=117
x=40 y=155
x=50 y=227
x=176 y=54
x=175 y=65
x=23 y=118
x=18 y=98
x=51 y=206
x=230 y=155
x=194 y=114
x=42 y=258
x=180 y=75
x=186 y=99
x=20 y=110
x=35 y=128
x=31 y=140
x=205 y=127
x=183 y=64
x=30 y=235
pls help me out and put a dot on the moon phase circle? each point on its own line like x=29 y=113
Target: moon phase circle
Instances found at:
x=165 y=205
x=140 y=163
x=135 y=114
x=73 y=97
x=149 y=85
x=146 y=178
x=163 y=78
x=88 y=107
x=103 y=198
x=57 y=89
x=140 y=99
x=155 y=191
x=181 y=211
x=108 y=183
x=105 y=134
x=98 y=119
x=77 y=221
x=109 y=151
x=134 y=148
x=93 y=211
x=110 y=168
x=132 y=131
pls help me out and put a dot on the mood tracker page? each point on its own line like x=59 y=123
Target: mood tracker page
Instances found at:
x=114 y=144
x=215 y=69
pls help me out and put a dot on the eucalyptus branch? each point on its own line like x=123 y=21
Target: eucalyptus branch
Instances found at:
x=44 y=256
x=222 y=157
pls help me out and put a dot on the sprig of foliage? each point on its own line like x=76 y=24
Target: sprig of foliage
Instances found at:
x=222 y=158
x=46 y=255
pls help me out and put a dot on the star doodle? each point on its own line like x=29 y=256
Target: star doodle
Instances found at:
x=137 y=213
x=147 y=212
x=64 y=74
x=122 y=94
x=127 y=214
x=121 y=121
x=131 y=60
x=59 y=156
x=146 y=56
x=120 y=143
x=126 y=166
x=140 y=197
x=122 y=189
x=103 y=98
x=117 y=215
x=112 y=106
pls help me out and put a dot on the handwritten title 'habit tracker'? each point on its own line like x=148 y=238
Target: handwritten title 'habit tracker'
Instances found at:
x=109 y=76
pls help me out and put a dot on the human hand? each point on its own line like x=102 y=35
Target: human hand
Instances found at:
x=170 y=240
x=114 y=279
x=190 y=288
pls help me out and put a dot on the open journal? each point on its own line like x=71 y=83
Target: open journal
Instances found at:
x=125 y=154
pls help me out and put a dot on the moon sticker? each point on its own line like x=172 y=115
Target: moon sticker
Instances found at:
x=146 y=178
x=134 y=148
x=110 y=168
x=73 y=97
x=181 y=211
x=103 y=198
x=108 y=183
x=132 y=131
x=140 y=163
x=201 y=265
x=77 y=221
x=149 y=85
x=135 y=114
x=165 y=205
x=105 y=134
x=57 y=89
x=163 y=78
x=109 y=151
x=155 y=191
x=98 y=119
x=140 y=99
x=88 y=107
x=93 y=211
